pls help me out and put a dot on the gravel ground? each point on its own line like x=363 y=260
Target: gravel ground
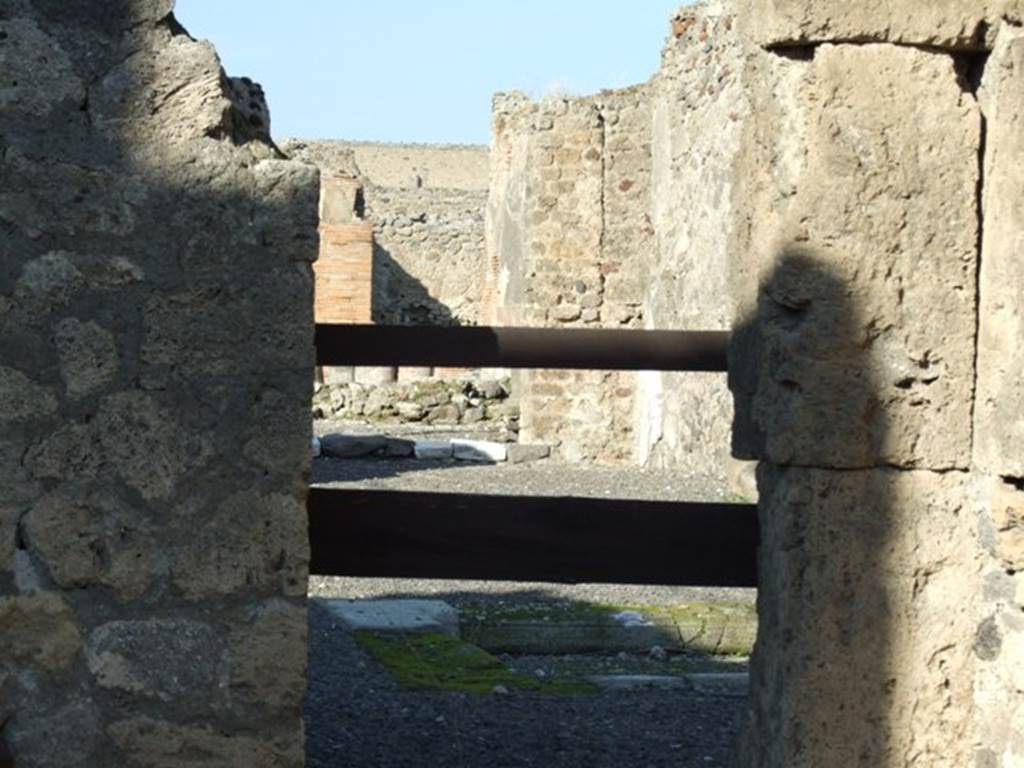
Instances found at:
x=358 y=717
x=539 y=478
x=460 y=592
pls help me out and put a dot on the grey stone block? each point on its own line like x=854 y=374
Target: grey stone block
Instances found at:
x=339 y=446
x=395 y=615
x=432 y=449
x=478 y=450
x=520 y=453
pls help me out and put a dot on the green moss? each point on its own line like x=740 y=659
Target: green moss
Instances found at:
x=441 y=662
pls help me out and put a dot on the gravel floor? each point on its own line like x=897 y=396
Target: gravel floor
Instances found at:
x=541 y=478
x=461 y=592
x=357 y=716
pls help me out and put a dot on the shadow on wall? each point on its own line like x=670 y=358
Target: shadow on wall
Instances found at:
x=399 y=298
x=806 y=405
x=180 y=245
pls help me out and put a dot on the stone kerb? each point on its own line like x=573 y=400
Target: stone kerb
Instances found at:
x=156 y=348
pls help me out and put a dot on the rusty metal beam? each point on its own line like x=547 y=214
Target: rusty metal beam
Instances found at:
x=483 y=347
x=530 y=538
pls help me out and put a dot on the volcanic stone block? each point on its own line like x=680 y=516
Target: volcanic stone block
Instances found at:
x=268 y=655
x=999 y=410
x=854 y=345
x=70 y=738
x=163 y=659
x=231 y=550
x=160 y=744
x=140 y=441
x=39 y=631
x=39 y=74
x=868 y=582
x=88 y=356
x=91 y=540
x=1005 y=504
x=21 y=398
x=957 y=24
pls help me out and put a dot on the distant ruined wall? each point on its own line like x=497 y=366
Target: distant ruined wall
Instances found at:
x=426 y=204
x=155 y=375
x=614 y=210
x=699 y=108
x=554 y=260
x=877 y=372
x=412 y=166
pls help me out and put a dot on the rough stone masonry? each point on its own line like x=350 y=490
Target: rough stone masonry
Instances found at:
x=426 y=206
x=876 y=368
x=615 y=210
x=156 y=365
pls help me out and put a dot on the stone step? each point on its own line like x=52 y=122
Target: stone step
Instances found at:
x=395 y=615
x=704 y=628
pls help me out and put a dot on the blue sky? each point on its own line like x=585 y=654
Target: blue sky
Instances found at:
x=398 y=70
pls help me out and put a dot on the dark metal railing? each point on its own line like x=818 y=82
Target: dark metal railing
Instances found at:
x=483 y=347
x=528 y=538
x=531 y=538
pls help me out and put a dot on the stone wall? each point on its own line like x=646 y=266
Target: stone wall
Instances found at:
x=998 y=445
x=699 y=107
x=554 y=260
x=876 y=368
x=614 y=210
x=420 y=166
x=155 y=375
x=426 y=204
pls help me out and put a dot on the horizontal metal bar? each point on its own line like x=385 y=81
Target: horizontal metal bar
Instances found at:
x=530 y=538
x=483 y=347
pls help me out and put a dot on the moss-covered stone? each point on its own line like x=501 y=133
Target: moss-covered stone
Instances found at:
x=442 y=662
x=727 y=629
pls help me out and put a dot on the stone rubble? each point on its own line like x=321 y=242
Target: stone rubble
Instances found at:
x=430 y=401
